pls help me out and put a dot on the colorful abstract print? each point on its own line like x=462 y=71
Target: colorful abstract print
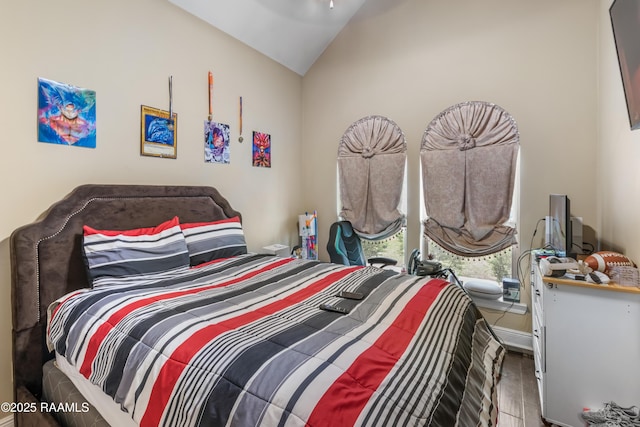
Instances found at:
x=66 y=114
x=242 y=342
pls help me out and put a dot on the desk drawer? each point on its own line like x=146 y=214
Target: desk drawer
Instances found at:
x=539 y=350
x=536 y=299
x=537 y=319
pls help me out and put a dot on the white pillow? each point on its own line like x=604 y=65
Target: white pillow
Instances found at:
x=483 y=288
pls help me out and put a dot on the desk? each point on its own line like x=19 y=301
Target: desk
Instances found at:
x=586 y=346
x=612 y=287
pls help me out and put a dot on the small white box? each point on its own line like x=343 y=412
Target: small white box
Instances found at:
x=624 y=275
x=277 y=249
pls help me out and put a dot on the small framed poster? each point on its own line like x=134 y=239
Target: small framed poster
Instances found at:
x=158 y=134
x=216 y=142
x=261 y=150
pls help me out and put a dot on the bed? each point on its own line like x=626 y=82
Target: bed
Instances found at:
x=238 y=339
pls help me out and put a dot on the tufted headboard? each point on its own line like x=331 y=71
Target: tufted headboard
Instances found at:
x=46 y=259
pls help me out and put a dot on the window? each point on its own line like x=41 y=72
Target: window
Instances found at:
x=493 y=267
x=394 y=247
x=469 y=158
x=371 y=184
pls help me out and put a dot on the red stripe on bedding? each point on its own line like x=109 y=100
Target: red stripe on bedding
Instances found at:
x=213 y=261
x=347 y=396
x=109 y=324
x=200 y=224
x=181 y=357
x=135 y=232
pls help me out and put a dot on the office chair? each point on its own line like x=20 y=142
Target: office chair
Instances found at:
x=345 y=248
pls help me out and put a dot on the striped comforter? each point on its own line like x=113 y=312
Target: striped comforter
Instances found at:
x=242 y=342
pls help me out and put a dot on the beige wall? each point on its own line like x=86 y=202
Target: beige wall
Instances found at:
x=618 y=152
x=125 y=51
x=410 y=59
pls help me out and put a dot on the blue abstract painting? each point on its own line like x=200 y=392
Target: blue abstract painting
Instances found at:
x=66 y=114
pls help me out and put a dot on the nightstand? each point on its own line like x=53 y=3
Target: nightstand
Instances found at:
x=277 y=249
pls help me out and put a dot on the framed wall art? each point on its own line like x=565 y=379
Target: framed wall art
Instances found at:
x=216 y=142
x=261 y=151
x=66 y=114
x=625 y=21
x=158 y=134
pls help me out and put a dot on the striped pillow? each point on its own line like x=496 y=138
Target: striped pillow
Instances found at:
x=208 y=241
x=130 y=252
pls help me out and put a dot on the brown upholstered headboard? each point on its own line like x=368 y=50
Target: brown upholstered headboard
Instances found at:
x=46 y=260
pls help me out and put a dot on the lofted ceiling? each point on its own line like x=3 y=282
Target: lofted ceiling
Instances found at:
x=291 y=32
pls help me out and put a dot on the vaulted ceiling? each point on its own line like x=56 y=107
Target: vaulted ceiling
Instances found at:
x=291 y=32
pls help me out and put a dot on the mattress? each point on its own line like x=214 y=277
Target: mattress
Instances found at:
x=243 y=341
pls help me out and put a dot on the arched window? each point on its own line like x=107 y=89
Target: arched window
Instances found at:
x=469 y=157
x=371 y=178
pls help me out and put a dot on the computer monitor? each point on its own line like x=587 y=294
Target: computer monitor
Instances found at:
x=558 y=233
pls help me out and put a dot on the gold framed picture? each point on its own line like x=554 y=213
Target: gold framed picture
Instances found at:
x=158 y=134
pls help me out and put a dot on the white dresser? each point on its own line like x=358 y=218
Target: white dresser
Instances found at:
x=586 y=344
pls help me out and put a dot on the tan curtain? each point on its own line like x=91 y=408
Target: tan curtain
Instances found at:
x=371 y=164
x=468 y=155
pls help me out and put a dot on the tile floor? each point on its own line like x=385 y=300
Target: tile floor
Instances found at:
x=518 y=400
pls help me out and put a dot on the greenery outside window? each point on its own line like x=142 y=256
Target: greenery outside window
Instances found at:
x=392 y=247
x=492 y=267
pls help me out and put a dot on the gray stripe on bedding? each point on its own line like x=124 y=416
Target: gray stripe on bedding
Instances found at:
x=217 y=243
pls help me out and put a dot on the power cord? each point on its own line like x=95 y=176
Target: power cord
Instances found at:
x=519 y=273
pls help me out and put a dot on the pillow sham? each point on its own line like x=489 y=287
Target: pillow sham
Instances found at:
x=117 y=253
x=208 y=241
